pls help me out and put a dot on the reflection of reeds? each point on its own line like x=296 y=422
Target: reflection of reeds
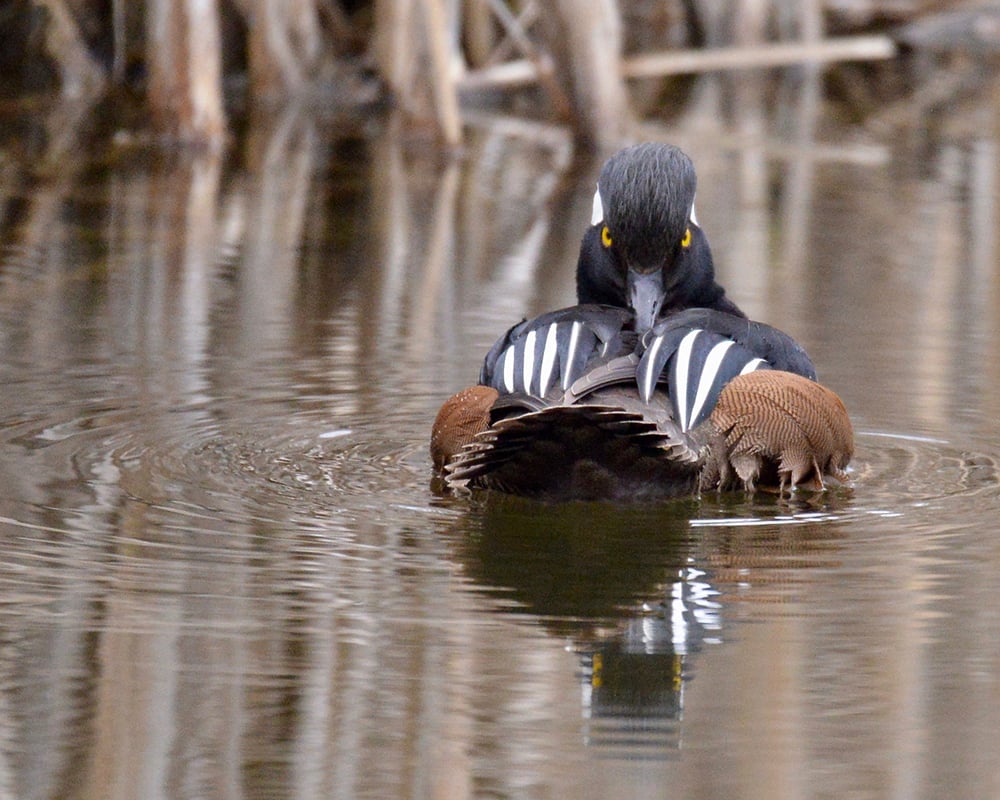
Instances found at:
x=440 y=252
x=164 y=633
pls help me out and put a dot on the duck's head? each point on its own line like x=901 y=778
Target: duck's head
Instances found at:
x=644 y=249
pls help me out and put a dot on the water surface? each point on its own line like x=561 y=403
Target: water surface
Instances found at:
x=224 y=573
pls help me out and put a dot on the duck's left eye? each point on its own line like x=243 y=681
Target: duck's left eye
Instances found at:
x=605 y=236
x=686 y=241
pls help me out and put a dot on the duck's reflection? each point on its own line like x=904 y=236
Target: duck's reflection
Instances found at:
x=619 y=586
x=638 y=594
x=633 y=683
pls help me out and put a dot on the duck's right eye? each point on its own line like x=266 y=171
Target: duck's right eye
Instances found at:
x=605 y=236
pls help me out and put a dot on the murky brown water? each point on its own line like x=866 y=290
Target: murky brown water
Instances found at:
x=224 y=573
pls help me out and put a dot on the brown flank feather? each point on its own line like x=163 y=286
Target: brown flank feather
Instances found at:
x=462 y=416
x=792 y=423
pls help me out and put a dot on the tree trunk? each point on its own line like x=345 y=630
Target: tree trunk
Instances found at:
x=185 y=70
x=417 y=68
x=397 y=54
x=478 y=31
x=585 y=36
x=284 y=45
x=80 y=74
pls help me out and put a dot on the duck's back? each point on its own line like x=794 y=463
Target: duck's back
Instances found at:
x=586 y=408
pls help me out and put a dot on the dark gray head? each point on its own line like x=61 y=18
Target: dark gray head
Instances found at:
x=646 y=193
x=645 y=250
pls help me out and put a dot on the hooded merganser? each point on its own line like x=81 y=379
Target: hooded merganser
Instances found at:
x=656 y=385
x=575 y=404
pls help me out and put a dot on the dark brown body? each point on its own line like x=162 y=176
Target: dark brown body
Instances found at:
x=769 y=429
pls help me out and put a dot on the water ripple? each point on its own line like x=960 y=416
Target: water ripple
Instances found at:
x=894 y=476
x=294 y=466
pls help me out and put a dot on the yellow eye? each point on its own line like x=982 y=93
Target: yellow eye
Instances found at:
x=605 y=236
x=686 y=241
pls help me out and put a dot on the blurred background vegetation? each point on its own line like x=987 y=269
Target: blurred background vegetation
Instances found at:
x=193 y=70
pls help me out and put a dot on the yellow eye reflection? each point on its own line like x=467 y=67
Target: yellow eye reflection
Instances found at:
x=686 y=241
x=605 y=236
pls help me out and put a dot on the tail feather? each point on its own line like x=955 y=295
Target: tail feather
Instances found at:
x=580 y=451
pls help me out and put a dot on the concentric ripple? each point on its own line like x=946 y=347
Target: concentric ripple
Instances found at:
x=274 y=470
x=289 y=468
x=894 y=475
x=304 y=465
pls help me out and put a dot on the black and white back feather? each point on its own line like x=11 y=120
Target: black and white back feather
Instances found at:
x=698 y=351
x=544 y=357
x=584 y=400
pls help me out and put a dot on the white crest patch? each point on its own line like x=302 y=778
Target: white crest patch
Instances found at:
x=597 y=213
x=692 y=216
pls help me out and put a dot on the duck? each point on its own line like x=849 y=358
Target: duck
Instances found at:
x=655 y=385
